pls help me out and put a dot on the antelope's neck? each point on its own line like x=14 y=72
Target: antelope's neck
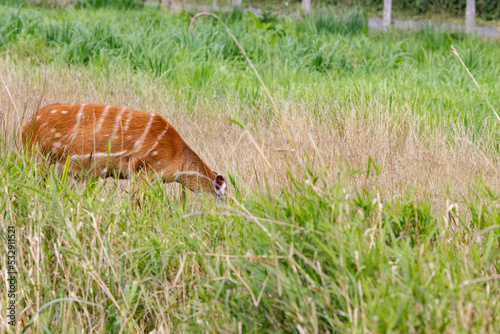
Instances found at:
x=195 y=173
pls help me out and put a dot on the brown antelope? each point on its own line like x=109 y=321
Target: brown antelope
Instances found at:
x=114 y=141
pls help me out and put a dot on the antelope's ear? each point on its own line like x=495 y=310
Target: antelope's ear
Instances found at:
x=219 y=180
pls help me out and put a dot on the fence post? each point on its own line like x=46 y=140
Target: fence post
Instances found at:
x=306 y=6
x=386 y=22
x=470 y=15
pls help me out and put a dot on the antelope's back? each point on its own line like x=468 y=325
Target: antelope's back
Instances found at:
x=91 y=133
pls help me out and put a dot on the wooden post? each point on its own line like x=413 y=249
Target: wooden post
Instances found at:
x=306 y=6
x=237 y=3
x=386 y=23
x=470 y=15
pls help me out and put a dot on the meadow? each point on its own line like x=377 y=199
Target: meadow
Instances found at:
x=366 y=201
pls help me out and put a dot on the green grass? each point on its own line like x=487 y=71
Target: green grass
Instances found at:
x=330 y=261
x=333 y=259
x=316 y=255
x=309 y=60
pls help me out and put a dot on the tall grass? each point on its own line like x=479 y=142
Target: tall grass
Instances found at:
x=325 y=19
x=119 y=4
x=337 y=54
x=382 y=219
x=314 y=259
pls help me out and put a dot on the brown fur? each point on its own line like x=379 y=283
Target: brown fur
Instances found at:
x=86 y=134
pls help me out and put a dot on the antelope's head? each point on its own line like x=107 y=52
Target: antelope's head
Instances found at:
x=220 y=186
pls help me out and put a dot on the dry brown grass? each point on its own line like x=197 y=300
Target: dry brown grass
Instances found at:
x=412 y=152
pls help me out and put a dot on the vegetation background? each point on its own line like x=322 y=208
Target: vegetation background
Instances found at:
x=486 y=9
x=368 y=202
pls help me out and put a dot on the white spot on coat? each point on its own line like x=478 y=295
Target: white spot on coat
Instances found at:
x=158 y=140
x=97 y=155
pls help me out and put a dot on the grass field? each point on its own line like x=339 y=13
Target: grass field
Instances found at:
x=367 y=202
